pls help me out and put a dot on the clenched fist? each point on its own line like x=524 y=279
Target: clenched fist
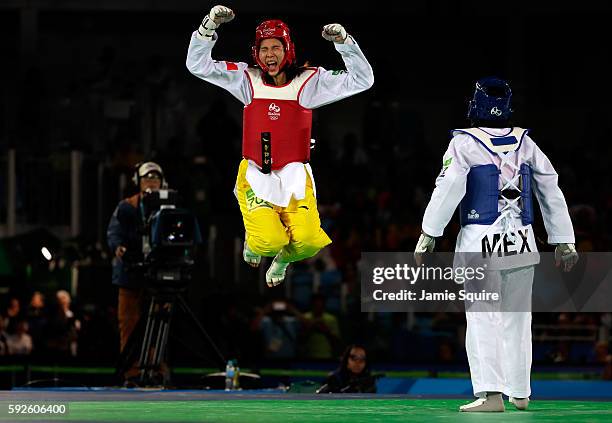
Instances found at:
x=334 y=32
x=221 y=14
x=218 y=15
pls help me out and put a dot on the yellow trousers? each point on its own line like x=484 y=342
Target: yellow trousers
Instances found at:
x=295 y=229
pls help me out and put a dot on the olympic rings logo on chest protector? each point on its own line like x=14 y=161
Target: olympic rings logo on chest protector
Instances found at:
x=273 y=111
x=496 y=111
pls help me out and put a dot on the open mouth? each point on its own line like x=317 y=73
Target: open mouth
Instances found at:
x=272 y=65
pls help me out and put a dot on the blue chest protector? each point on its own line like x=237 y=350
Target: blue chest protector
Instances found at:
x=480 y=203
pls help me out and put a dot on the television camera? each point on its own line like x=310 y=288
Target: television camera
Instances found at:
x=169 y=238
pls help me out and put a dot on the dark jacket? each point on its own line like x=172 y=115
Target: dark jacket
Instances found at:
x=348 y=382
x=125 y=228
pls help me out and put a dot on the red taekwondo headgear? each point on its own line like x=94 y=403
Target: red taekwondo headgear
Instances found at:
x=273 y=29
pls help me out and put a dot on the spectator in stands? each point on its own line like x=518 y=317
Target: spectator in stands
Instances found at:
x=320 y=331
x=353 y=375
x=279 y=323
x=20 y=343
x=36 y=318
x=11 y=315
x=37 y=302
x=63 y=328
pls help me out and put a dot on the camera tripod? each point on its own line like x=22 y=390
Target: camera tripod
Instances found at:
x=153 y=332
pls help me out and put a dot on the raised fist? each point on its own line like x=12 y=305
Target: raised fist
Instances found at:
x=217 y=16
x=221 y=14
x=334 y=32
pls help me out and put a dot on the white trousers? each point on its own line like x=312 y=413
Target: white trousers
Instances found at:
x=498 y=339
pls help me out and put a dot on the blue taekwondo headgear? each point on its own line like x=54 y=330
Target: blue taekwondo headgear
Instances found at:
x=491 y=101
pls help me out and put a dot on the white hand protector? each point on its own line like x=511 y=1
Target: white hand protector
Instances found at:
x=217 y=16
x=425 y=244
x=334 y=32
x=221 y=14
x=566 y=256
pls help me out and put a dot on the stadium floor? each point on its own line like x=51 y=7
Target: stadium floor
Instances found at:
x=210 y=407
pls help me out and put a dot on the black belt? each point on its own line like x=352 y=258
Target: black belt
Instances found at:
x=266 y=152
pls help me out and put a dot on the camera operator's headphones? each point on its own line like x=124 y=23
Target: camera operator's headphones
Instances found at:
x=144 y=168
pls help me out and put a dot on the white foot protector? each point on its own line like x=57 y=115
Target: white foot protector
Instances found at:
x=491 y=404
x=275 y=275
x=520 y=403
x=250 y=257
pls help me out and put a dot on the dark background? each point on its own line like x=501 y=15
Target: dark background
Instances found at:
x=108 y=79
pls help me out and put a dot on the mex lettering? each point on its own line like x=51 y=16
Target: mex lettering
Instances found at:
x=506 y=246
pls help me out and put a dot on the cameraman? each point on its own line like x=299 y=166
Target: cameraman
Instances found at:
x=124 y=233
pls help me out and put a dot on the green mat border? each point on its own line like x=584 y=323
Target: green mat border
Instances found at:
x=292 y=372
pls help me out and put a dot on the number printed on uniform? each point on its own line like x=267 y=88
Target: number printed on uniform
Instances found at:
x=254 y=202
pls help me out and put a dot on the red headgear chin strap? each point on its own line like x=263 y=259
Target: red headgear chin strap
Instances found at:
x=273 y=29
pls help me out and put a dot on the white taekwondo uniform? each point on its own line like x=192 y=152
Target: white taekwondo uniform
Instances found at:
x=499 y=343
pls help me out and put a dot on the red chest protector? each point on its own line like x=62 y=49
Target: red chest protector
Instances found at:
x=276 y=129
